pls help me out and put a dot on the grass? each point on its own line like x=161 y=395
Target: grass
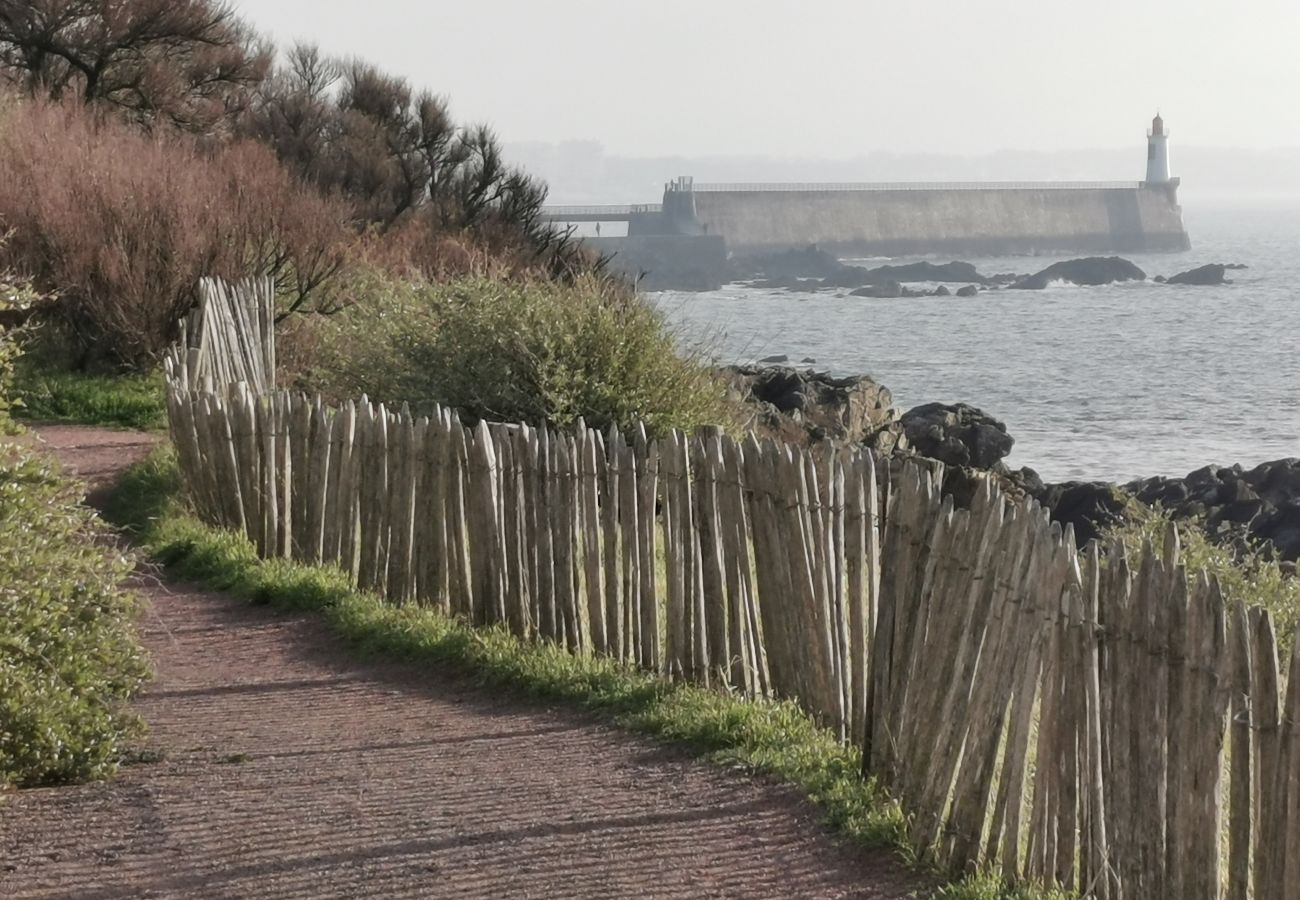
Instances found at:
x=771 y=739
x=118 y=401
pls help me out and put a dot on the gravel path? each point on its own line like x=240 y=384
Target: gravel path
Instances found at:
x=278 y=767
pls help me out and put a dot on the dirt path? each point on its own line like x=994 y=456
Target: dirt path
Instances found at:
x=284 y=769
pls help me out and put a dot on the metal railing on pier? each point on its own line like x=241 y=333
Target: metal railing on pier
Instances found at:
x=917 y=186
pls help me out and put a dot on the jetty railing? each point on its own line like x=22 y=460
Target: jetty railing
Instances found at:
x=1101 y=721
x=848 y=186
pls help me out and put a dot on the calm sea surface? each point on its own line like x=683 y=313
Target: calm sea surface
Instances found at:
x=1112 y=383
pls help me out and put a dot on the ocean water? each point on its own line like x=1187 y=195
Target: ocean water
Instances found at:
x=1113 y=382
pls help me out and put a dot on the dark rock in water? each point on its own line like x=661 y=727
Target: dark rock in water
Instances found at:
x=969 y=290
x=1211 y=274
x=1159 y=279
x=791 y=268
x=804 y=406
x=1003 y=278
x=1092 y=270
x=810 y=262
x=1235 y=266
x=847 y=277
x=925 y=271
x=959 y=435
x=808 y=360
x=887 y=289
x=775 y=360
x=941 y=291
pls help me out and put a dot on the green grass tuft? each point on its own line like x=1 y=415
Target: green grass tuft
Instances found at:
x=767 y=738
x=118 y=401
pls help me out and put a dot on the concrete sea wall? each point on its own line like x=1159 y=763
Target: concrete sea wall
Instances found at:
x=659 y=262
x=974 y=221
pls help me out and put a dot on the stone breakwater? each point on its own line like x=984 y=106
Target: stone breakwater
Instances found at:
x=1238 y=507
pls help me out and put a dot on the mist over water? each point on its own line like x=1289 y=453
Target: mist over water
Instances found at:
x=1113 y=382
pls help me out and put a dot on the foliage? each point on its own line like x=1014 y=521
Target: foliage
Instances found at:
x=397 y=156
x=16 y=297
x=187 y=63
x=68 y=652
x=1250 y=579
x=513 y=350
x=122 y=226
x=120 y=401
x=765 y=738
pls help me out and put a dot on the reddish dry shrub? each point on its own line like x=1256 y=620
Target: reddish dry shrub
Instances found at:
x=123 y=224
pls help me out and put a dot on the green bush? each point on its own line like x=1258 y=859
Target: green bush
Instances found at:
x=69 y=659
x=1253 y=579
x=15 y=296
x=510 y=350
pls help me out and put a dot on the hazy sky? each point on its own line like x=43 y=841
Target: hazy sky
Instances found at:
x=832 y=78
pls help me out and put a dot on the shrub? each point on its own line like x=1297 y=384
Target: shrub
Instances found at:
x=122 y=225
x=68 y=653
x=522 y=350
x=16 y=296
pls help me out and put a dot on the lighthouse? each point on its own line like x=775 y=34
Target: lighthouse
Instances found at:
x=1157 y=152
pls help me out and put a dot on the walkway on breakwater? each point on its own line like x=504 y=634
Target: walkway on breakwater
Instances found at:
x=276 y=766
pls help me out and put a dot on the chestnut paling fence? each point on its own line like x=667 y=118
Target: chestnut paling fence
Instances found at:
x=1095 y=720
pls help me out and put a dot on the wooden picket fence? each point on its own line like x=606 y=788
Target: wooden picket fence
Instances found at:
x=229 y=336
x=1097 y=721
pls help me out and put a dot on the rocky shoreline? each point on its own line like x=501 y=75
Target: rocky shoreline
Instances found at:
x=812 y=269
x=1244 y=509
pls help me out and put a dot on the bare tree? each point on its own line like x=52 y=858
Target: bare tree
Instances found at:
x=189 y=63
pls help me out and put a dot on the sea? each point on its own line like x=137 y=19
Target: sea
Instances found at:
x=1094 y=383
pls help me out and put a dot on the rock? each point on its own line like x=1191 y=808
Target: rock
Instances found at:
x=1003 y=278
x=1092 y=270
x=1235 y=266
x=774 y=360
x=958 y=434
x=807 y=360
x=1206 y=275
x=792 y=268
x=1159 y=279
x=941 y=291
x=810 y=262
x=1237 y=507
x=969 y=290
x=804 y=406
x=1089 y=507
x=889 y=289
x=925 y=271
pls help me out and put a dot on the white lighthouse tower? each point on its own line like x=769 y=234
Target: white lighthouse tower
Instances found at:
x=1157 y=152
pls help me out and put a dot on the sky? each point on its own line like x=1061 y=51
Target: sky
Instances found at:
x=832 y=78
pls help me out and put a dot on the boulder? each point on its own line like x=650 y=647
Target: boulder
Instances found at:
x=888 y=289
x=809 y=262
x=805 y=406
x=957 y=434
x=1092 y=270
x=1239 y=507
x=969 y=290
x=925 y=271
x=1203 y=275
x=941 y=291
x=1088 y=506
